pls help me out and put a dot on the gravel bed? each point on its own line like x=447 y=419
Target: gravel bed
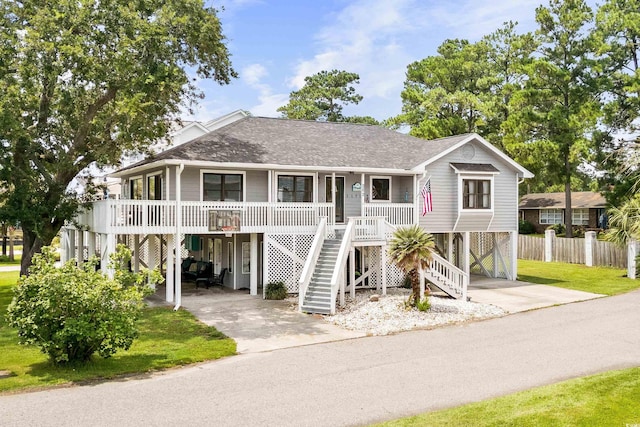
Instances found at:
x=388 y=315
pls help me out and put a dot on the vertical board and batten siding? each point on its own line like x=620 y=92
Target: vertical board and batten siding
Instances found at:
x=444 y=190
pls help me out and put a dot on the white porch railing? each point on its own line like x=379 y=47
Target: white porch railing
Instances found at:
x=396 y=213
x=369 y=228
x=312 y=260
x=448 y=277
x=159 y=216
x=339 y=279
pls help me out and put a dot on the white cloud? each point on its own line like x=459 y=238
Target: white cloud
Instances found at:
x=252 y=74
x=378 y=38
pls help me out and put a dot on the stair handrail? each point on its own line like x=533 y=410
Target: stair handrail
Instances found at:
x=337 y=279
x=452 y=276
x=311 y=261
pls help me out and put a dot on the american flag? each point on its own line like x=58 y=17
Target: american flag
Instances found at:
x=426 y=195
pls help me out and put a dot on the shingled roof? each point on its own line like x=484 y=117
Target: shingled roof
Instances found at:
x=272 y=141
x=579 y=199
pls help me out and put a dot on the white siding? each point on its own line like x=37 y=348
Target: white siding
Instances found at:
x=444 y=190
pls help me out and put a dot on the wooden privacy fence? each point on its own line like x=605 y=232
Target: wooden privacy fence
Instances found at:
x=573 y=251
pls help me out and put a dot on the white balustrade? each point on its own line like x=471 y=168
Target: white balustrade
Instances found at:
x=395 y=213
x=159 y=216
x=448 y=277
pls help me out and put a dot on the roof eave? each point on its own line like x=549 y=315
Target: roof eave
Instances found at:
x=522 y=172
x=260 y=166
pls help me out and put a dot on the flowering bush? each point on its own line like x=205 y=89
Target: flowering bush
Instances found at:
x=71 y=312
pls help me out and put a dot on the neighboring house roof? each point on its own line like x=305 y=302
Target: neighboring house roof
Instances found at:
x=303 y=143
x=579 y=199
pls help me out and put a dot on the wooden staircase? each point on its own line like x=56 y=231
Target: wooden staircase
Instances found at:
x=447 y=277
x=318 y=296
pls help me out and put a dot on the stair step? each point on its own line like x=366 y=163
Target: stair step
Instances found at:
x=316 y=309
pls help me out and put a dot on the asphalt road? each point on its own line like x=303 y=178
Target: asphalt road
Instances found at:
x=359 y=381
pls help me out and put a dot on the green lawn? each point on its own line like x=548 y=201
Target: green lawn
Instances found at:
x=167 y=339
x=599 y=280
x=609 y=399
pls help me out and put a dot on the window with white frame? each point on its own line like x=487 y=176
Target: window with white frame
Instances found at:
x=154 y=187
x=222 y=187
x=380 y=189
x=476 y=194
x=295 y=188
x=135 y=188
x=580 y=216
x=551 y=216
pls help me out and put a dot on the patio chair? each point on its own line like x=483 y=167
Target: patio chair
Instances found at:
x=204 y=274
x=218 y=279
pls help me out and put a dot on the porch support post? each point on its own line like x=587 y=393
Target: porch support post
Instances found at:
x=352 y=271
x=80 y=249
x=416 y=203
x=108 y=246
x=177 y=241
x=383 y=268
x=67 y=250
x=153 y=245
x=270 y=186
x=363 y=197
x=91 y=244
x=514 y=255
x=450 y=243
x=253 y=263
x=170 y=275
x=333 y=191
x=343 y=279
x=466 y=252
x=136 y=253
x=496 y=255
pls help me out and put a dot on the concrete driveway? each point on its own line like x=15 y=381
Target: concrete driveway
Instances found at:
x=515 y=296
x=259 y=325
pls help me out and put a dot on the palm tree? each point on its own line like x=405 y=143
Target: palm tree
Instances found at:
x=411 y=249
x=624 y=222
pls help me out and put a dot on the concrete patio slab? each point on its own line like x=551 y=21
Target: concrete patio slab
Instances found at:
x=256 y=324
x=516 y=296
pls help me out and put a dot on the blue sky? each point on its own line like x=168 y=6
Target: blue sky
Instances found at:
x=276 y=43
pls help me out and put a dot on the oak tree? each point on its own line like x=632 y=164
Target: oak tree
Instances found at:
x=82 y=82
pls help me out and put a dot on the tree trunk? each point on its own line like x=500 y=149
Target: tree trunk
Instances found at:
x=415 y=286
x=31 y=245
x=568 y=222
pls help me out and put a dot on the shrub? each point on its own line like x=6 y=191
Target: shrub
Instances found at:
x=276 y=290
x=525 y=227
x=71 y=313
x=558 y=228
x=423 y=305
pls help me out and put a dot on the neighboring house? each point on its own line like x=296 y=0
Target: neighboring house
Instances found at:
x=312 y=204
x=588 y=209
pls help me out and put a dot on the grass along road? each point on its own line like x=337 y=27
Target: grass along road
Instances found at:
x=598 y=280
x=609 y=399
x=167 y=339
